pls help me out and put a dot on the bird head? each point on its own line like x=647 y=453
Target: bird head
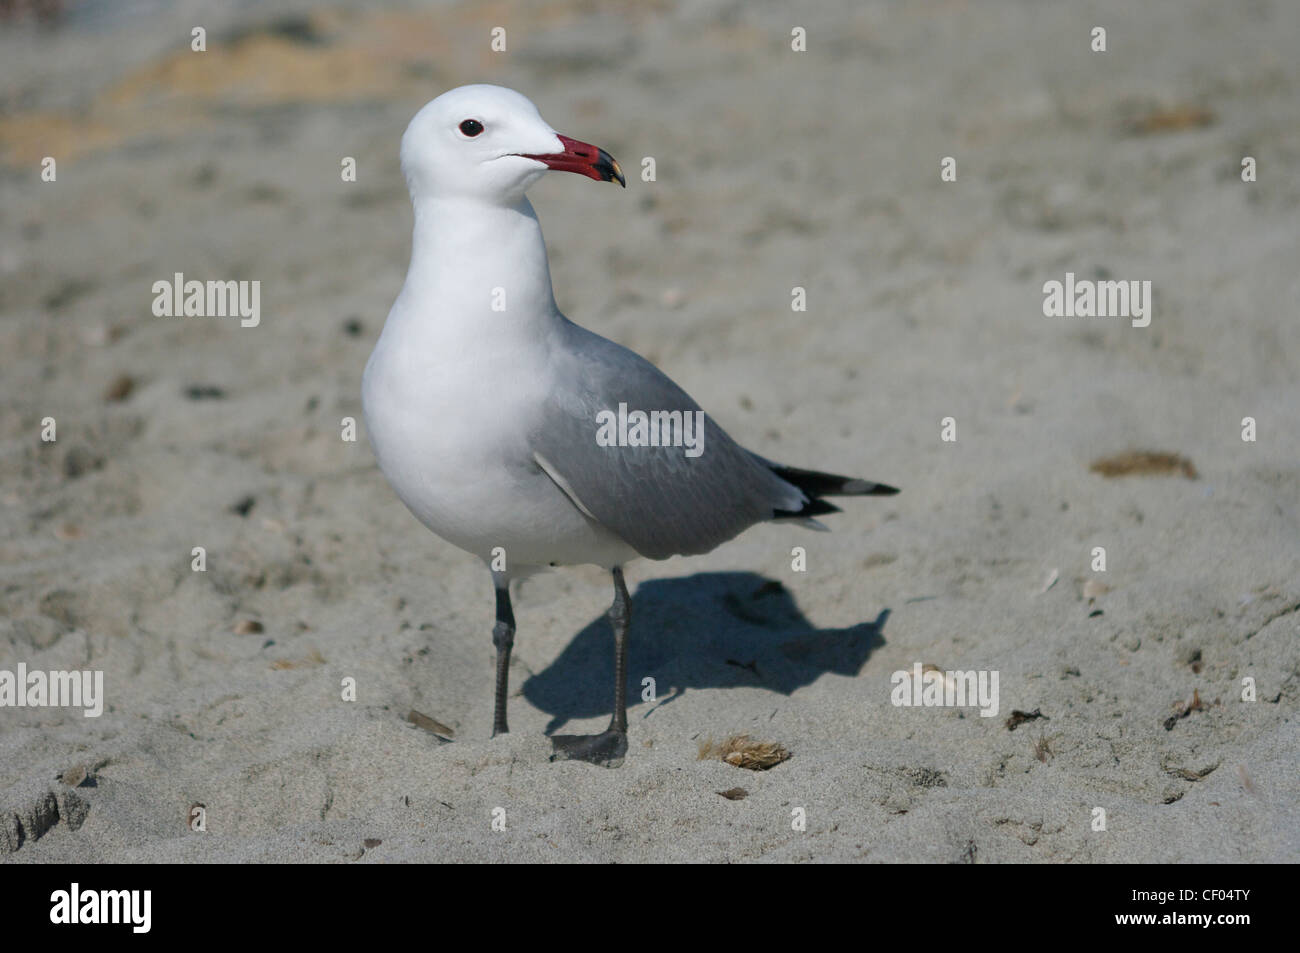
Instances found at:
x=491 y=143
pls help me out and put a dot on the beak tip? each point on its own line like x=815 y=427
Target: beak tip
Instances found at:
x=614 y=169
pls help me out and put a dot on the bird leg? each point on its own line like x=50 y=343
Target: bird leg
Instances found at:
x=503 y=637
x=620 y=618
x=608 y=747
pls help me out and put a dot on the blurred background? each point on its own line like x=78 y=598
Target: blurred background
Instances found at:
x=776 y=169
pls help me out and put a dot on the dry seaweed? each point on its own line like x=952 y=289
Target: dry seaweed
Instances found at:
x=1144 y=463
x=742 y=752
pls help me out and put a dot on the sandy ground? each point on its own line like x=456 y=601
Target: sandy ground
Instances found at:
x=775 y=169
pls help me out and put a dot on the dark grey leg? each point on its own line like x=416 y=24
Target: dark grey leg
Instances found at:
x=503 y=637
x=620 y=617
x=608 y=747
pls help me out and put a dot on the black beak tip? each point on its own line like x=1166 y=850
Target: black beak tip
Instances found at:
x=609 y=169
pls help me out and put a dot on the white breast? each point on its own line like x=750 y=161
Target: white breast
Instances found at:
x=448 y=415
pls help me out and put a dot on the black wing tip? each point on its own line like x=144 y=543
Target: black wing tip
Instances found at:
x=810 y=509
x=867 y=488
x=814 y=483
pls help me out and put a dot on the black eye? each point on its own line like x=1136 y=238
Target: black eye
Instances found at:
x=471 y=127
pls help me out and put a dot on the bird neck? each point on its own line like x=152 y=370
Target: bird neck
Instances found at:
x=475 y=260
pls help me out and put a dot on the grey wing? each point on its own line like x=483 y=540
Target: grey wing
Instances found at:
x=657 y=499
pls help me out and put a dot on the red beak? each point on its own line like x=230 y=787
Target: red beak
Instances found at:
x=584 y=159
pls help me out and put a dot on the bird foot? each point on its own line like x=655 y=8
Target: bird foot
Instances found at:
x=606 y=749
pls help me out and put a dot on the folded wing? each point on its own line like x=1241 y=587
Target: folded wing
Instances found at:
x=658 y=499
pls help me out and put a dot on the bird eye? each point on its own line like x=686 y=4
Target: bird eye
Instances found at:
x=471 y=127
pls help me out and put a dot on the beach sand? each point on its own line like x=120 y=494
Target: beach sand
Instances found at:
x=775 y=169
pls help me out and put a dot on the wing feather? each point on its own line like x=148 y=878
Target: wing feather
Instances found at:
x=657 y=499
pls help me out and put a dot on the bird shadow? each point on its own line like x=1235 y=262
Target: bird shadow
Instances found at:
x=710 y=630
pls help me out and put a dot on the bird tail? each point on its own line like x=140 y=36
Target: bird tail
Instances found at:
x=814 y=484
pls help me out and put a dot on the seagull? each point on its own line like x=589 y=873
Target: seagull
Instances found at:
x=522 y=438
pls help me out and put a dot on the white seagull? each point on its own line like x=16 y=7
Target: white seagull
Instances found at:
x=493 y=415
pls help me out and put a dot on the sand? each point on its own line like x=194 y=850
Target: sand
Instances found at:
x=775 y=169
